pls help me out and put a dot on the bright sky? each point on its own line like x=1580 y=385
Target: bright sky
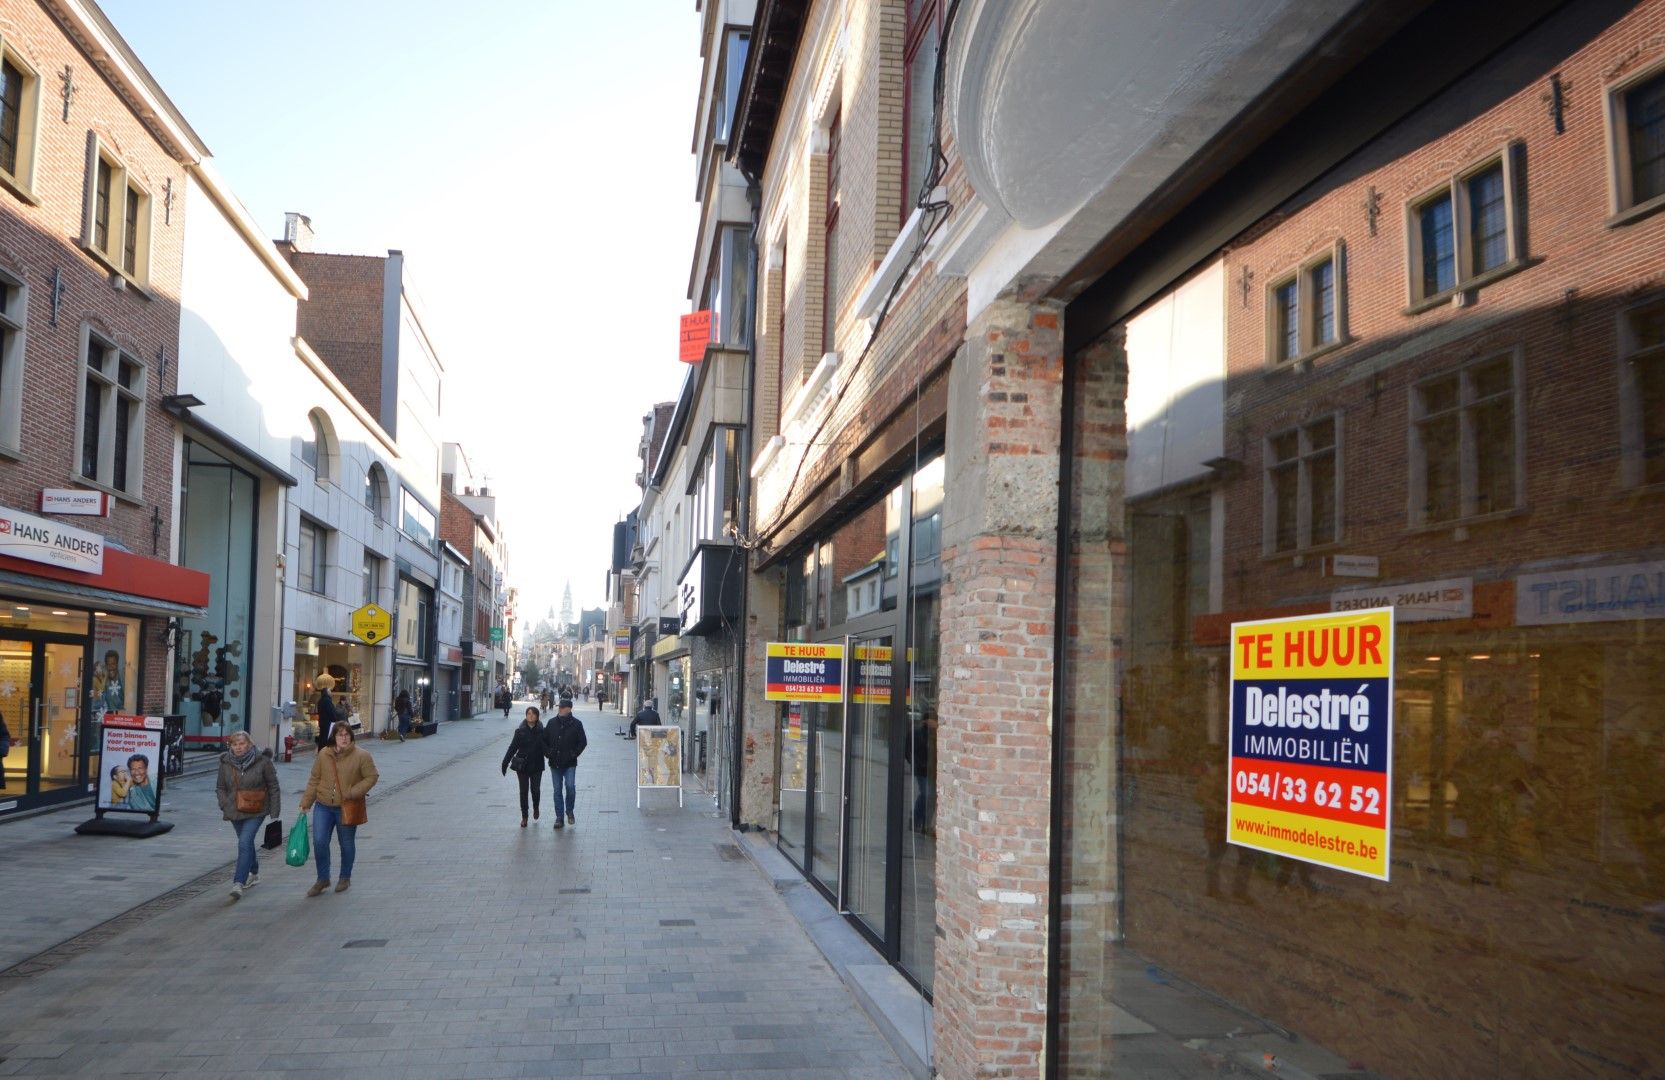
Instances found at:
x=532 y=162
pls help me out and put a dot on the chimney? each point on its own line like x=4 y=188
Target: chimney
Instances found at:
x=297 y=231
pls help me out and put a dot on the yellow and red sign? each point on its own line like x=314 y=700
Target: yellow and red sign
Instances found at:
x=696 y=335
x=798 y=671
x=1311 y=767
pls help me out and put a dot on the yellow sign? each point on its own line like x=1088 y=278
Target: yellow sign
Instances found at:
x=372 y=624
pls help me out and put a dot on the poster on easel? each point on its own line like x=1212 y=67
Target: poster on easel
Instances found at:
x=130 y=776
x=658 y=760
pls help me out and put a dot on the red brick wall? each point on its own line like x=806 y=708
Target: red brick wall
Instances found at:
x=342 y=318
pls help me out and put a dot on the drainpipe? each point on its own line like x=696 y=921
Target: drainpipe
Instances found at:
x=743 y=470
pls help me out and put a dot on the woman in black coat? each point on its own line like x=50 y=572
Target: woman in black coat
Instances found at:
x=525 y=754
x=325 y=682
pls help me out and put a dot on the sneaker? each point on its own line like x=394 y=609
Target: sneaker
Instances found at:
x=343 y=885
x=254 y=879
x=318 y=888
x=572 y=821
x=236 y=890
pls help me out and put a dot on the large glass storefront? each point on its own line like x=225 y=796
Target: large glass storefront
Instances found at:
x=872 y=585
x=352 y=665
x=61 y=670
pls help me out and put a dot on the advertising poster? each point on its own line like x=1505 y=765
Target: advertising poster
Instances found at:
x=1311 y=768
x=870 y=675
x=130 y=768
x=658 y=757
x=109 y=681
x=795 y=671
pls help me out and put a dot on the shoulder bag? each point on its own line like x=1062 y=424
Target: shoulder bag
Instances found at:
x=353 y=811
x=251 y=800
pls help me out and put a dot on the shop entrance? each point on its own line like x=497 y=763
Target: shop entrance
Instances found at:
x=42 y=703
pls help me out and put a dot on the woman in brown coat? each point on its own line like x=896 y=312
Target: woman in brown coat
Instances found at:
x=249 y=793
x=344 y=772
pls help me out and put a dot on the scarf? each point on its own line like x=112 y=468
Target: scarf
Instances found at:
x=245 y=761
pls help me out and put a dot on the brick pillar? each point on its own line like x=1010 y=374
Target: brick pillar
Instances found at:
x=994 y=740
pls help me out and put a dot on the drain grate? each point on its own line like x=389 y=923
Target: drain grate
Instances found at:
x=573 y=892
x=109 y=877
x=676 y=922
x=620 y=850
x=730 y=853
x=366 y=943
x=606 y=811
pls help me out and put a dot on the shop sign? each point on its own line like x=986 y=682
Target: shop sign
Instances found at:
x=74 y=501
x=870 y=675
x=453 y=655
x=667 y=627
x=795 y=671
x=695 y=336
x=621 y=641
x=1353 y=566
x=25 y=536
x=1310 y=770
x=371 y=624
x=1418 y=601
x=1591 y=594
x=496 y=635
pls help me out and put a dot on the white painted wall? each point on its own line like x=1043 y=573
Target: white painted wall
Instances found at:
x=1176 y=368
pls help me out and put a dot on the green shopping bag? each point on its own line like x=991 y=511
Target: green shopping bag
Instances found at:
x=300 y=843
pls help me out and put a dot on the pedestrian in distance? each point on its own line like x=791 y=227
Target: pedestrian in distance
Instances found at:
x=646 y=716
x=564 y=740
x=525 y=757
x=325 y=682
x=342 y=775
x=505 y=701
x=402 y=711
x=248 y=792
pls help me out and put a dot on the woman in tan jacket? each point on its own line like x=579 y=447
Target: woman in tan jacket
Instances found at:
x=344 y=772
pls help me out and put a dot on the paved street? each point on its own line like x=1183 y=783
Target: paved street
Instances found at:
x=638 y=943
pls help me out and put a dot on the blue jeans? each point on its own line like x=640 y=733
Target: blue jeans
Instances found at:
x=565 y=778
x=248 y=863
x=325 y=820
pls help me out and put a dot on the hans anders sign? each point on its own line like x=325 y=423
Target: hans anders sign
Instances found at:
x=74 y=501
x=25 y=536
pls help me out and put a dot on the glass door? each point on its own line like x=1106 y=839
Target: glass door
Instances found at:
x=20 y=768
x=43 y=706
x=868 y=849
x=826 y=764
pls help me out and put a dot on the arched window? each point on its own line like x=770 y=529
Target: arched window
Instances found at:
x=375 y=491
x=318 y=451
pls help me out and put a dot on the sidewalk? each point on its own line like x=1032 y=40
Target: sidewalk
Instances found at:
x=639 y=943
x=55 y=884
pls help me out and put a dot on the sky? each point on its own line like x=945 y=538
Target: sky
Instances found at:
x=533 y=163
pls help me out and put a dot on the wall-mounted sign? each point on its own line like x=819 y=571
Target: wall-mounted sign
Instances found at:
x=25 y=536
x=1352 y=566
x=371 y=624
x=667 y=627
x=1591 y=594
x=497 y=635
x=796 y=671
x=621 y=641
x=1417 y=601
x=1310 y=771
x=74 y=501
x=696 y=335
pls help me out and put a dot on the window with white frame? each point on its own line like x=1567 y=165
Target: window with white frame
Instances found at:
x=1303 y=486
x=919 y=112
x=1636 y=111
x=19 y=119
x=1642 y=392
x=116 y=228
x=1466 y=437
x=1466 y=232
x=1305 y=309
x=312 y=558
x=112 y=436
x=14 y=304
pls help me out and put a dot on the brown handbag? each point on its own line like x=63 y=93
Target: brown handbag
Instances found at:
x=353 y=811
x=251 y=800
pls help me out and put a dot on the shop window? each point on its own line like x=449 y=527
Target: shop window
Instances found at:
x=1638 y=124
x=19 y=120
x=1466 y=443
x=112 y=417
x=1642 y=392
x=312 y=558
x=1303 y=487
x=116 y=227
x=919 y=117
x=14 y=305
x=1465 y=233
x=1305 y=308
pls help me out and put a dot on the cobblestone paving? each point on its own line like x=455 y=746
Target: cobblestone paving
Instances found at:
x=634 y=944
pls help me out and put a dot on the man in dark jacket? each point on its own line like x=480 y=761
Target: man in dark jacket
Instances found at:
x=563 y=741
x=646 y=716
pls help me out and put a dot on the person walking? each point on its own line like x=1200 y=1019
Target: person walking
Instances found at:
x=525 y=757
x=341 y=776
x=564 y=740
x=325 y=682
x=248 y=792
x=505 y=700
x=402 y=711
x=646 y=716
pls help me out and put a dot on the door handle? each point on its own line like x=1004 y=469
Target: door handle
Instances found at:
x=39 y=704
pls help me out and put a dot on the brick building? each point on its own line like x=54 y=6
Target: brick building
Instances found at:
x=1155 y=345
x=93 y=163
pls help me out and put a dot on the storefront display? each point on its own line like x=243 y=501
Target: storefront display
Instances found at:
x=351 y=665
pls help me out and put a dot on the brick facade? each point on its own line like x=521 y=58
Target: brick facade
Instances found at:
x=342 y=319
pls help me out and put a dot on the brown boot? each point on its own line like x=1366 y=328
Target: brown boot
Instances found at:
x=318 y=888
x=343 y=885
